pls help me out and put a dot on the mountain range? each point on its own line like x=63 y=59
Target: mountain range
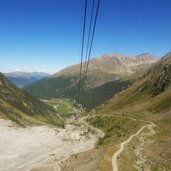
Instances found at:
x=107 y=75
x=125 y=93
x=21 y=79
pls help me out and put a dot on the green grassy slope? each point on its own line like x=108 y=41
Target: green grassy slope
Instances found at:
x=148 y=99
x=20 y=107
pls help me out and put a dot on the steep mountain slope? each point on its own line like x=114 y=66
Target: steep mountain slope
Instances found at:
x=21 y=79
x=147 y=100
x=151 y=91
x=20 y=107
x=107 y=75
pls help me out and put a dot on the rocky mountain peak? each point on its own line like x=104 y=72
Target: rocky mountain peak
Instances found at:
x=146 y=57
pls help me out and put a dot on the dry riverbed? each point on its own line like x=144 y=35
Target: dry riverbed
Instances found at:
x=41 y=147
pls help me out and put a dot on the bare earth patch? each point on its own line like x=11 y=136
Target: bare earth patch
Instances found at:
x=40 y=147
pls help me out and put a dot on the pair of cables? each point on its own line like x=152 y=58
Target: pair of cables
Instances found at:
x=87 y=40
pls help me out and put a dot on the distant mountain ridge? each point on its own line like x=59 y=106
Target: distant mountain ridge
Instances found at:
x=107 y=75
x=111 y=62
x=21 y=79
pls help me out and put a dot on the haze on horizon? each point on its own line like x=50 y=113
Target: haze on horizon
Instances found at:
x=46 y=35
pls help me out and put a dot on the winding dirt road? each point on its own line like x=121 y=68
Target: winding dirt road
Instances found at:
x=150 y=126
x=100 y=133
x=122 y=145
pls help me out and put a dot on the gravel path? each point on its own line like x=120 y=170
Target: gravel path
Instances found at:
x=122 y=145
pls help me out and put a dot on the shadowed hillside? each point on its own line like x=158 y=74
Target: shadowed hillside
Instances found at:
x=18 y=106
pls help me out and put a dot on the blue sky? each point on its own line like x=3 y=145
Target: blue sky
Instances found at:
x=45 y=35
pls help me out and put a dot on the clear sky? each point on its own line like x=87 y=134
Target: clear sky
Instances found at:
x=45 y=35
